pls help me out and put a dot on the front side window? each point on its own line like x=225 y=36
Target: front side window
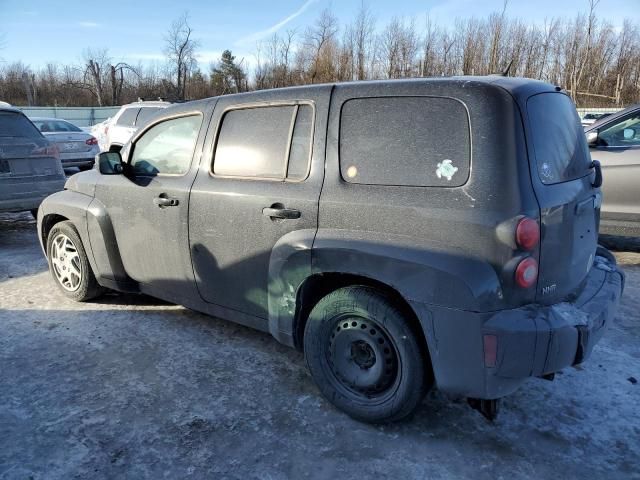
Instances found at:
x=265 y=142
x=408 y=141
x=166 y=148
x=623 y=133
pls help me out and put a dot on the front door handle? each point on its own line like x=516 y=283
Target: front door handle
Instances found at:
x=281 y=212
x=164 y=201
x=597 y=182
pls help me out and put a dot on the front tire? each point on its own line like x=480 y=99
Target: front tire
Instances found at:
x=69 y=265
x=364 y=356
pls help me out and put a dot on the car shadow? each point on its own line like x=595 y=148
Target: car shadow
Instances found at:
x=20 y=253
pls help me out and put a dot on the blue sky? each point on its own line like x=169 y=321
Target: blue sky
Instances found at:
x=37 y=32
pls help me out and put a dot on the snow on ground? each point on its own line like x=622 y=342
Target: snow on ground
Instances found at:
x=131 y=387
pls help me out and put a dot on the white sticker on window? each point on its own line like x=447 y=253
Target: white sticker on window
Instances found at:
x=446 y=170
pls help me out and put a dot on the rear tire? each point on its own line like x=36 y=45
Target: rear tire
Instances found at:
x=364 y=356
x=69 y=265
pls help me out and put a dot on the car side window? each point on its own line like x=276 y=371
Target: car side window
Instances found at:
x=128 y=117
x=167 y=147
x=272 y=142
x=623 y=133
x=407 y=141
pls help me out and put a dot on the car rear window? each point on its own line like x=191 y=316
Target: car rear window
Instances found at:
x=559 y=142
x=412 y=141
x=128 y=117
x=15 y=124
x=55 y=126
x=145 y=114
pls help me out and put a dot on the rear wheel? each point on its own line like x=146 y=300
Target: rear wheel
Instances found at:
x=364 y=356
x=69 y=265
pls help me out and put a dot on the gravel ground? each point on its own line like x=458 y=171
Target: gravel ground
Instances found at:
x=131 y=387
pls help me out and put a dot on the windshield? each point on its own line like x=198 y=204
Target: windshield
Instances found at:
x=561 y=151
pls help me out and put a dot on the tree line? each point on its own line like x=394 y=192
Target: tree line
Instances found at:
x=597 y=63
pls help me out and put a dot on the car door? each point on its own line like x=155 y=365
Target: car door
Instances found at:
x=258 y=187
x=618 y=150
x=148 y=205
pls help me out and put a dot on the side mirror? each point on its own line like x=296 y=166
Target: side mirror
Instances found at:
x=110 y=163
x=592 y=138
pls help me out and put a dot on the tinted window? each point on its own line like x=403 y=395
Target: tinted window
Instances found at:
x=253 y=142
x=145 y=114
x=300 y=151
x=14 y=124
x=55 y=126
x=559 y=143
x=414 y=141
x=128 y=117
x=166 y=147
x=623 y=133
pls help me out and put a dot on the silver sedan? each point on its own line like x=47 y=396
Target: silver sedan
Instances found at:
x=77 y=148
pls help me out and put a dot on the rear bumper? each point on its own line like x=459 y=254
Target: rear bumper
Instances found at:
x=78 y=162
x=27 y=195
x=530 y=341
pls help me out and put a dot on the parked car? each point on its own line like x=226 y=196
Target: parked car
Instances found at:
x=30 y=166
x=591 y=118
x=347 y=221
x=77 y=148
x=615 y=142
x=127 y=121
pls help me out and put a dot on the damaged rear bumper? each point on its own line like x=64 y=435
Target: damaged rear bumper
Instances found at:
x=530 y=341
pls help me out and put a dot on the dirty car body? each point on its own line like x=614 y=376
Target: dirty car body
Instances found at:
x=444 y=203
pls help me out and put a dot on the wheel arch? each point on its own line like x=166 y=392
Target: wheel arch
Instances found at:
x=317 y=286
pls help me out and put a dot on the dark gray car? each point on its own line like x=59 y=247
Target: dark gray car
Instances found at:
x=615 y=142
x=403 y=234
x=30 y=168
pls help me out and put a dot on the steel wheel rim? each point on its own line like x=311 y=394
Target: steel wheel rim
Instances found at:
x=65 y=262
x=362 y=358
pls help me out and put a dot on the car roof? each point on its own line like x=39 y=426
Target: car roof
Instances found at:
x=49 y=119
x=609 y=118
x=151 y=103
x=8 y=108
x=519 y=88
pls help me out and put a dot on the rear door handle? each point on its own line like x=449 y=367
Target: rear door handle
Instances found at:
x=281 y=212
x=164 y=201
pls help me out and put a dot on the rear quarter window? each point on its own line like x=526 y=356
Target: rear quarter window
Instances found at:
x=128 y=117
x=559 y=142
x=412 y=141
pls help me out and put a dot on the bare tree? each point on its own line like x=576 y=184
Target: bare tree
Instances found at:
x=180 y=49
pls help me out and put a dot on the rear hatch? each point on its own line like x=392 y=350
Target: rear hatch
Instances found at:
x=24 y=152
x=569 y=204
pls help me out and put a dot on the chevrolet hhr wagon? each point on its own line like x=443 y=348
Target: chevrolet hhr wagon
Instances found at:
x=402 y=234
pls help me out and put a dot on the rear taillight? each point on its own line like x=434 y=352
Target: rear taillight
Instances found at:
x=48 y=151
x=91 y=141
x=527 y=273
x=527 y=233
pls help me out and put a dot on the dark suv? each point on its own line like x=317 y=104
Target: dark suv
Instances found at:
x=401 y=233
